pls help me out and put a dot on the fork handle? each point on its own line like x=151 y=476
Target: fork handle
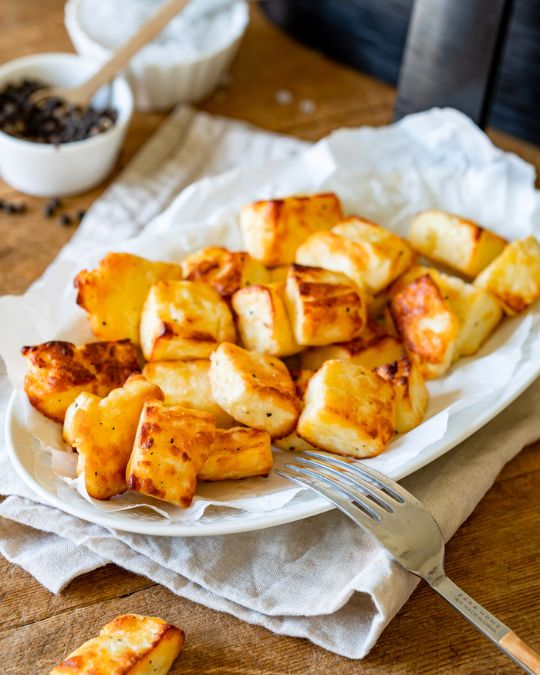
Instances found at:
x=526 y=657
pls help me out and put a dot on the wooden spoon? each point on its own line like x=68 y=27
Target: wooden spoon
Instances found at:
x=82 y=94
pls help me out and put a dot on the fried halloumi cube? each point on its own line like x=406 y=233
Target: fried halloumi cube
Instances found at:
x=59 y=371
x=236 y=453
x=427 y=324
x=323 y=306
x=349 y=410
x=262 y=320
x=514 y=276
x=454 y=241
x=184 y=320
x=273 y=229
x=410 y=391
x=102 y=431
x=477 y=311
x=256 y=389
x=227 y=271
x=130 y=644
x=367 y=253
x=186 y=383
x=114 y=292
x=171 y=446
x=292 y=441
x=374 y=347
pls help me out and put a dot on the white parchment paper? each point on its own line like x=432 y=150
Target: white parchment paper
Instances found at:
x=436 y=159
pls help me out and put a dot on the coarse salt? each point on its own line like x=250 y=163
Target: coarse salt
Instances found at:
x=203 y=27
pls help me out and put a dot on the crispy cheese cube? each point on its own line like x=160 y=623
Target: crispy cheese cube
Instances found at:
x=365 y=252
x=186 y=383
x=292 y=441
x=59 y=371
x=514 y=276
x=262 y=320
x=256 y=389
x=323 y=306
x=130 y=644
x=184 y=320
x=410 y=391
x=374 y=347
x=427 y=324
x=239 y=452
x=273 y=229
x=454 y=241
x=102 y=431
x=349 y=410
x=227 y=271
x=170 y=449
x=477 y=311
x=113 y=294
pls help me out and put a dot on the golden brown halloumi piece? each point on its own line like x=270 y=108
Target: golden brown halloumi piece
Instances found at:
x=59 y=371
x=427 y=324
x=514 y=276
x=187 y=383
x=130 y=644
x=477 y=311
x=456 y=242
x=262 y=320
x=184 y=320
x=349 y=410
x=323 y=306
x=273 y=229
x=256 y=389
x=171 y=446
x=102 y=430
x=373 y=348
x=227 y=271
x=239 y=452
x=367 y=253
x=410 y=391
x=114 y=292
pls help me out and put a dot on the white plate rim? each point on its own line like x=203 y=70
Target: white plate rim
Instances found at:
x=288 y=513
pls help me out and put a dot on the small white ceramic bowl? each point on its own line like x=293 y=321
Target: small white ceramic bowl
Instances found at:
x=45 y=170
x=162 y=82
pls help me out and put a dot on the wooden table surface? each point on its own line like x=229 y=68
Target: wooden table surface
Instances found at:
x=495 y=554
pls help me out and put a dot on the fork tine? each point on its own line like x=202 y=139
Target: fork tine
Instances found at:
x=379 y=480
x=356 y=482
x=355 y=512
x=347 y=491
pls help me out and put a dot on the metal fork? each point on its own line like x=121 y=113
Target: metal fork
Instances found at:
x=406 y=529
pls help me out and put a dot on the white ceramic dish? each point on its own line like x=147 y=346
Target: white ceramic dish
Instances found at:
x=33 y=466
x=44 y=170
x=161 y=82
x=432 y=159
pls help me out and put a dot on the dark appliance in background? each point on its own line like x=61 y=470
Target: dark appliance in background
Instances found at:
x=371 y=35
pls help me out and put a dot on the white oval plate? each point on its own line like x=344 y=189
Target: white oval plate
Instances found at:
x=26 y=456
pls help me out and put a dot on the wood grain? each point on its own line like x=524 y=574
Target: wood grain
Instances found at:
x=494 y=556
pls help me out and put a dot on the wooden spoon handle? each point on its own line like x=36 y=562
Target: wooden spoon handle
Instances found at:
x=150 y=28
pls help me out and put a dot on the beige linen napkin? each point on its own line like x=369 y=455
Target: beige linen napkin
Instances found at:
x=321 y=578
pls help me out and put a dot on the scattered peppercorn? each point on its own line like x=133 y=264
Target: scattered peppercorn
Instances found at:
x=11 y=207
x=80 y=214
x=65 y=220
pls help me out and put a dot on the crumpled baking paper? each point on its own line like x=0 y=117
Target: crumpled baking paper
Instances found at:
x=436 y=159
